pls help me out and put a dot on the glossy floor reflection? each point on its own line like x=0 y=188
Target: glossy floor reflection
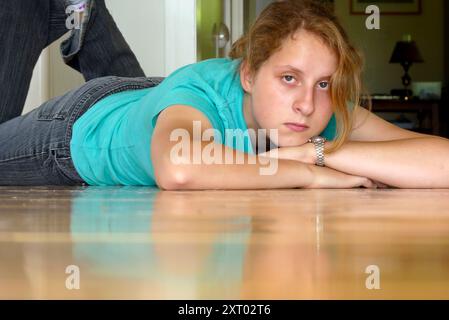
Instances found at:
x=141 y=243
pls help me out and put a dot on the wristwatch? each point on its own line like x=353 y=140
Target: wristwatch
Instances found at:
x=319 y=148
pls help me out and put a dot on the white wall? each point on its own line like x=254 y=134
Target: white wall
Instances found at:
x=142 y=23
x=39 y=87
x=62 y=78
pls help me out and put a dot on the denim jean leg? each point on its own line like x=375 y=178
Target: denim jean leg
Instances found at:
x=96 y=47
x=28 y=146
x=23 y=36
x=35 y=148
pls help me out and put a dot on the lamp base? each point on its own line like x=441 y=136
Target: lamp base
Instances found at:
x=405 y=94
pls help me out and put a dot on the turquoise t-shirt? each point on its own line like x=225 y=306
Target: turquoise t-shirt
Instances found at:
x=111 y=142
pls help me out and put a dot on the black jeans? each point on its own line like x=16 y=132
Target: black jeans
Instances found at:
x=96 y=48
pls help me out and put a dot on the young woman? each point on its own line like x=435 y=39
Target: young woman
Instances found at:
x=294 y=77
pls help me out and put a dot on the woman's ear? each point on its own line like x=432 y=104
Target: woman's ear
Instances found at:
x=246 y=78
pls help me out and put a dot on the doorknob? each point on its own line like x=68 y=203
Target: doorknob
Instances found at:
x=220 y=36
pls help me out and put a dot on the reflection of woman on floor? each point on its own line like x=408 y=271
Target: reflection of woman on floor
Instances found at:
x=160 y=244
x=294 y=74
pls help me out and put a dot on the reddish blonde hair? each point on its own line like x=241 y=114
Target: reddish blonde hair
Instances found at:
x=282 y=19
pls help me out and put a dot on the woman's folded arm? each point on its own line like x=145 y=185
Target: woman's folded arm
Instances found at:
x=222 y=168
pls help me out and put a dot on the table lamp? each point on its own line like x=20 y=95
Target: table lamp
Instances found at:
x=405 y=53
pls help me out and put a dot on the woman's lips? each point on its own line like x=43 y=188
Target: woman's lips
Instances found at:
x=297 y=127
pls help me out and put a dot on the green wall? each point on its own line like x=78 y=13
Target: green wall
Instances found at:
x=208 y=13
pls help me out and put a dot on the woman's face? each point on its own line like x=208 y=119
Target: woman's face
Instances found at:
x=291 y=89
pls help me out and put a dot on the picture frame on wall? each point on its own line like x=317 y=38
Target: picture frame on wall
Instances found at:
x=391 y=7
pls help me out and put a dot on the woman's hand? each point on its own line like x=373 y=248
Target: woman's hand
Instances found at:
x=326 y=178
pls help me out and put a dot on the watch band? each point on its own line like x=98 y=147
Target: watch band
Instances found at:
x=319 y=148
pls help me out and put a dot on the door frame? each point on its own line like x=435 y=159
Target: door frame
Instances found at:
x=181 y=30
x=180 y=34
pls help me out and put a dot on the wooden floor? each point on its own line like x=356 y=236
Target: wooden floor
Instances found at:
x=142 y=243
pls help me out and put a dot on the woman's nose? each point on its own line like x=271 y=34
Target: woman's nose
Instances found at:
x=304 y=102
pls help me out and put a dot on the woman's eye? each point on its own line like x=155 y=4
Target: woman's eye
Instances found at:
x=289 y=79
x=323 y=85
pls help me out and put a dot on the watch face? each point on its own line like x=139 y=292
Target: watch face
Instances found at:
x=318 y=139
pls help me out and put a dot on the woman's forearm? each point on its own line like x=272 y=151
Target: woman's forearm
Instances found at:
x=411 y=163
x=219 y=172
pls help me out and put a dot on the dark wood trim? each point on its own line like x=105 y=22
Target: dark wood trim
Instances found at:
x=445 y=101
x=425 y=109
x=446 y=43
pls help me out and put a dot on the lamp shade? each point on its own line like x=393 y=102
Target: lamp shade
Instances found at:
x=406 y=51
